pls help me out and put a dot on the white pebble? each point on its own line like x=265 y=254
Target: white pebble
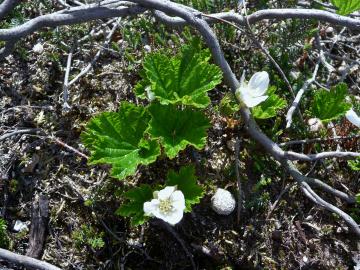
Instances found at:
x=315 y=124
x=38 y=48
x=20 y=226
x=147 y=48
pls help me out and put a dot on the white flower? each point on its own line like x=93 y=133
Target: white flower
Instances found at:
x=168 y=204
x=353 y=117
x=38 y=48
x=223 y=202
x=253 y=93
x=315 y=124
x=150 y=94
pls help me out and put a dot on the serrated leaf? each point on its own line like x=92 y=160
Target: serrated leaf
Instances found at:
x=346 y=7
x=270 y=107
x=330 y=105
x=183 y=79
x=134 y=207
x=177 y=128
x=116 y=138
x=354 y=164
x=140 y=87
x=186 y=181
x=228 y=105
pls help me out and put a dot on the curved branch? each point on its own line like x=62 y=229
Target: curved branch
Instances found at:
x=320 y=184
x=308 y=14
x=276 y=14
x=25 y=261
x=312 y=157
x=6 y=6
x=67 y=17
x=319 y=140
x=316 y=198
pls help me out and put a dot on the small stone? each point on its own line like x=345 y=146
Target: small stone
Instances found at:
x=329 y=30
x=305 y=259
x=223 y=202
x=231 y=144
x=315 y=124
x=295 y=75
x=147 y=48
x=20 y=226
x=38 y=48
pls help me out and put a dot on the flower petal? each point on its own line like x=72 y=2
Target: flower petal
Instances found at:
x=150 y=208
x=178 y=200
x=353 y=117
x=166 y=193
x=253 y=101
x=259 y=83
x=173 y=217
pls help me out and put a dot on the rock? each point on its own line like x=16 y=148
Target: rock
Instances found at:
x=315 y=124
x=38 y=48
x=20 y=226
x=223 y=202
x=147 y=48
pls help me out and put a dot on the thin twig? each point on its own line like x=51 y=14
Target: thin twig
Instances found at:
x=237 y=171
x=20 y=131
x=299 y=178
x=273 y=206
x=319 y=140
x=299 y=95
x=97 y=55
x=66 y=106
x=180 y=241
x=68 y=147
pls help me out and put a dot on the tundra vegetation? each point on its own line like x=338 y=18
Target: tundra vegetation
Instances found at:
x=192 y=134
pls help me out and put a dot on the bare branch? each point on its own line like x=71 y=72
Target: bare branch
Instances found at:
x=319 y=140
x=325 y=187
x=66 y=106
x=6 y=6
x=277 y=14
x=67 y=17
x=316 y=198
x=299 y=95
x=96 y=57
x=20 y=131
x=25 y=261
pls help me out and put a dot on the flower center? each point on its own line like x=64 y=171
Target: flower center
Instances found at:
x=165 y=206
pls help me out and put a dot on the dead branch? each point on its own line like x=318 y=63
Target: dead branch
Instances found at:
x=25 y=261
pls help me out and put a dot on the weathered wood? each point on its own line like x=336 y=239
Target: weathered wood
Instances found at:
x=21 y=260
x=39 y=227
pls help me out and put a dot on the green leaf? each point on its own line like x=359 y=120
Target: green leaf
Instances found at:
x=186 y=181
x=357 y=196
x=177 y=128
x=183 y=79
x=134 y=207
x=346 y=7
x=330 y=105
x=354 y=164
x=270 y=107
x=228 y=105
x=116 y=138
